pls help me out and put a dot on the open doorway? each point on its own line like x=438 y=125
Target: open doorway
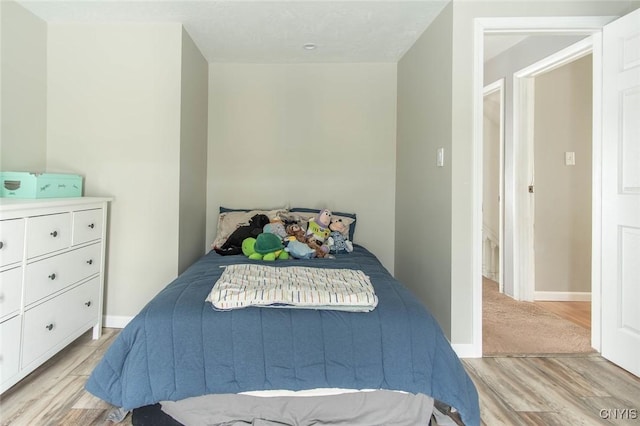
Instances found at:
x=549 y=117
x=562 y=170
x=492 y=157
x=616 y=76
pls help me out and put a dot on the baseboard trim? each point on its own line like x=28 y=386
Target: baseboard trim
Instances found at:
x=562 y=296
x=467 y=350
x=114 y=321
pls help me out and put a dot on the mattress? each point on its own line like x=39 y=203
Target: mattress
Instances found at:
x=355 y=408
x=179 y=347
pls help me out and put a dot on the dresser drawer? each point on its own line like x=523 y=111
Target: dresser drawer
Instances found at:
x=10 y=291
x=46 y=326
x=9 y=348
x=87 y=226
x=46 y=234
x=52 y=274
x=11 y=241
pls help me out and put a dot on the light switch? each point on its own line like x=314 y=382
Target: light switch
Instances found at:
x=570 y=158
x=440 y=157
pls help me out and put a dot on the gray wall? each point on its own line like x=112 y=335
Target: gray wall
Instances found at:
x=423 y=191
x=491 y=163
x=124 y=105
x=306 y=135
x=23 y=88
x=563 y=120
x=114 y=117
x=193 y=153
x=147 y=74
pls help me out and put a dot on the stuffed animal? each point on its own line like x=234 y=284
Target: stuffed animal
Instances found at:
x=233 y=245
x=249 y=248
x=299 y=250
x=276 y=227
x=266 y=246
x=337 y=241
x=295 y=232
x=318 y=227
x=321 y=249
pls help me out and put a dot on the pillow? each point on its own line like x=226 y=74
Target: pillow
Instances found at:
x=230 y=219
x=349 y=219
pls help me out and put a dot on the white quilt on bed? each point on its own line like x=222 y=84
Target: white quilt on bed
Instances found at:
x=245 y=285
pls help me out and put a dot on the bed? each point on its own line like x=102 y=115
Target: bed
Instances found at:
x=179 y=347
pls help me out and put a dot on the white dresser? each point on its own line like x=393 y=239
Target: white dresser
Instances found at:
x=52 y=256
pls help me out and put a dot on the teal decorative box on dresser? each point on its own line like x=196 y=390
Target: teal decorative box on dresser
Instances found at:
x=40 y=185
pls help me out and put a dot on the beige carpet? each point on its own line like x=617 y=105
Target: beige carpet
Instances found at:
x=521 y=328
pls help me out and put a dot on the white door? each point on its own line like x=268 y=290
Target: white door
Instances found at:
x=621 y=192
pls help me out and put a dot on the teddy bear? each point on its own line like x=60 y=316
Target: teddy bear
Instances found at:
x=321 y=249
x=337 y=241
x=295 y=232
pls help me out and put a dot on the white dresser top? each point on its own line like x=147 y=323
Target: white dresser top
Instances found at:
x=9 y=205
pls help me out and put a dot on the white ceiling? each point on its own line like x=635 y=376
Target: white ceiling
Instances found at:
x=269 y=31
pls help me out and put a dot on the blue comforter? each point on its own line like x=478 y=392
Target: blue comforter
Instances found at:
x=178 y=346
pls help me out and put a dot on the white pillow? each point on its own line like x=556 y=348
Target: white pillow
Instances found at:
x=230 y=220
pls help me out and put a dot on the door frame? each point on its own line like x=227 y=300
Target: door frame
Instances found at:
x=569 y=25
x=499 y=86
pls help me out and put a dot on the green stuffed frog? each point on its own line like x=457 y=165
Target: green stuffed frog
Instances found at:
x=266 y=246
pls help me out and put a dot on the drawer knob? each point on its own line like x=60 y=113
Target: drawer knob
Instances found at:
x=1 y=244
x=91 y=225
x=52 y=277
x=49 y=327
x=88 y=303
x=54 y=234
x=90 y=261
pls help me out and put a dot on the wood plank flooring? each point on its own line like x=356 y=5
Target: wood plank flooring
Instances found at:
x=577 y=312
x=561 y=390
x=568 y=390
x=54 y=393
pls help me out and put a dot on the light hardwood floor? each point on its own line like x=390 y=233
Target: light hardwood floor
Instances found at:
x=567 y=390
x=54 y=393
x=577 y=312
